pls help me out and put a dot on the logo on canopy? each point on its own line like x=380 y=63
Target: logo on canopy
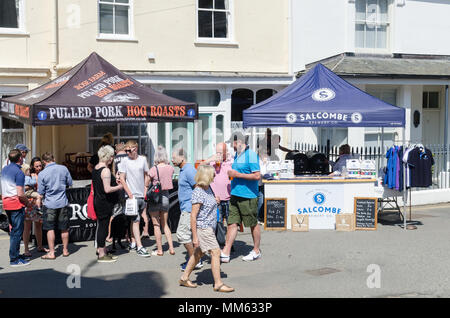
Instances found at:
x=319 y=198
x=356 y=118
x=323 y=95
x=291 y=118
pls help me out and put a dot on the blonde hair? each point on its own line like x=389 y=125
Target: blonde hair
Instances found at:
x=25 y=167
x=161 y=155
x=131 y=144
x=204 y=176
x=120 y=146
x=105 y=153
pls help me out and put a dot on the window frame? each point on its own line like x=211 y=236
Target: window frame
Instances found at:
x=113 y=36
x=388 y=24
x=230 y=25
x=438 y=108
x=20 y=30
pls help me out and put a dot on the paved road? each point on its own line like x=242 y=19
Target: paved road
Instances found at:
x=319 y=263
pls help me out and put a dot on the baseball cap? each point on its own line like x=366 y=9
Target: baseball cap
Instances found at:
x=237 y=135
x=22 y=147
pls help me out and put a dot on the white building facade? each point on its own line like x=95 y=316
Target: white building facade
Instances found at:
x=396 y=50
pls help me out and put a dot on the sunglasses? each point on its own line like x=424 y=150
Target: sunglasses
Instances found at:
x=130 y=150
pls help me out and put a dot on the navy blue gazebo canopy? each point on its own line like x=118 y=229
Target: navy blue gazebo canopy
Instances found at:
x=320 y=98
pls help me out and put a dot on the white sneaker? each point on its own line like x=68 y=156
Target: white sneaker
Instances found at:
x=224 y=258
x=252 y=256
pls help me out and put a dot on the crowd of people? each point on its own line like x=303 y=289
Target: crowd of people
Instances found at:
x=223 y=189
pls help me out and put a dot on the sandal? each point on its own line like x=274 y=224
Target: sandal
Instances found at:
x=172 y=253
x=187 y=283
x=43 y=250
x=46 y=256
x=27 y=254
x=223 y=289
x=155 y=253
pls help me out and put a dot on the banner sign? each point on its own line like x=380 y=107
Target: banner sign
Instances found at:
x=321 y=204
x=95 y=92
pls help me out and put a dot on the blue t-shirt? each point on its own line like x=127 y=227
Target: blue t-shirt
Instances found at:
x=186 y=183
x=246 y=162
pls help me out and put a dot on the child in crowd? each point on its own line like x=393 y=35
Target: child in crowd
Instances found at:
x=30 y=187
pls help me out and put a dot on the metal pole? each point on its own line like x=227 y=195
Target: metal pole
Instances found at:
x=404 y=185
x=446 y=128
x=33 y=141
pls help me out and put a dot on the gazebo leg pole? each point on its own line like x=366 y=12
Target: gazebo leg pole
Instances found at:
x=404 y=185
x=33 y=141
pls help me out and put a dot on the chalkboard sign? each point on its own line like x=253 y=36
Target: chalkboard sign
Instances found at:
x=275 y=213
x=366 y=210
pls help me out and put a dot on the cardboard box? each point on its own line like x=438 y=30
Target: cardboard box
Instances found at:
x=345 y=222
x=300 y=223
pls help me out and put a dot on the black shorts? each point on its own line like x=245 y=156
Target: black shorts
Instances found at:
x=56 y=219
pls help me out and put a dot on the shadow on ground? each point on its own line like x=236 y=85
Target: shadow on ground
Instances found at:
x=393 y=218
x=51 y=283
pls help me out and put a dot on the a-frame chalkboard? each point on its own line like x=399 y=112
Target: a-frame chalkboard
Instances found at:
x=275 y=213
x=366 y=213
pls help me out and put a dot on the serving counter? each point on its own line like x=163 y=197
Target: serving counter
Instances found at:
x=319 y=197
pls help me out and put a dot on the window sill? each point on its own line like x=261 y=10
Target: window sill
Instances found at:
x=13 y=32
x=215 y=43
x=116 y=39
x=372 y=51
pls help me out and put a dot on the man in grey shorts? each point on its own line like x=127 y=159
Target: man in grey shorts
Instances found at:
x=186 y=183
x=133 y=176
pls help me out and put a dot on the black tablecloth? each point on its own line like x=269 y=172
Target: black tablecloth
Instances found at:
x=83 y=229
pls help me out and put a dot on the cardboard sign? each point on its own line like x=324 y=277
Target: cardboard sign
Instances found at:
x=275 y=211
x=300 y=223
x=366 y=213
x=345 y=222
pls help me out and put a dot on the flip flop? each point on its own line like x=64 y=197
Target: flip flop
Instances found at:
x=155 y=253
x=66 y=255
x=172 y=253
x=187 y=283
x=223 y=289
x=46 y=256
x=27 y=254
x=43 y=250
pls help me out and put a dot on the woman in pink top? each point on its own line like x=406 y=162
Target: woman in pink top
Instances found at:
x=160 y=212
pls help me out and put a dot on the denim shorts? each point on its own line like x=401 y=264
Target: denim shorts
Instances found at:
x=162 y=206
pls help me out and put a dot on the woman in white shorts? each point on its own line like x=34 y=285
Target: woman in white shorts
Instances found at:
x=203 y=225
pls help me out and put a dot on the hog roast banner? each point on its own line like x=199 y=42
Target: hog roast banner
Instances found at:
x=95 y=92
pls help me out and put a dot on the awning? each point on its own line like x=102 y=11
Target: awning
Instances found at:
x=322 y=99
x=95 y=92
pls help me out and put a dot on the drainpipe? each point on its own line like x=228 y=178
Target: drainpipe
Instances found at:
x=54 y=74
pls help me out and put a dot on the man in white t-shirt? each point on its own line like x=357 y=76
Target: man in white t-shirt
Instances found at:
x=134 y=178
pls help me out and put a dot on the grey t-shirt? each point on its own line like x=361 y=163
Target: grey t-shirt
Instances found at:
x=134 y=170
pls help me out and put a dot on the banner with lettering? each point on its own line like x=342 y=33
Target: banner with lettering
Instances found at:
x=95 y=92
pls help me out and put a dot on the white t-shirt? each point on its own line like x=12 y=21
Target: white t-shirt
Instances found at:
x=134 y=170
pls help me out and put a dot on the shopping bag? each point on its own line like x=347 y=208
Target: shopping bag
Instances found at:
x=300 y=223
x=90 y=205
x=131 y=207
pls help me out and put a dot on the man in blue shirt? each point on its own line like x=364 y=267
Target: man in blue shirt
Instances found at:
x=186 y=183
x=52 y=183
x=244 y=197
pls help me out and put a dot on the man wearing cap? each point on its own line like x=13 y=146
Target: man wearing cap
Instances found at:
x=245 y=174
x=23 y=150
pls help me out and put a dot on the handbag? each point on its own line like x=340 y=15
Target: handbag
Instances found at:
x=131 y=207
x=221 y=230
x=90 y=205
x=154 y=194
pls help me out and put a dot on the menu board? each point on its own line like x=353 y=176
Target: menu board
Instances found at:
x=275 y=213
x=366 y=211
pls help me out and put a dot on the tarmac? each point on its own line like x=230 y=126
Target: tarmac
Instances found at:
x=390 y=262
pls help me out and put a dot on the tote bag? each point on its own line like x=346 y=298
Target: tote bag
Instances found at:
x=131 y=207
